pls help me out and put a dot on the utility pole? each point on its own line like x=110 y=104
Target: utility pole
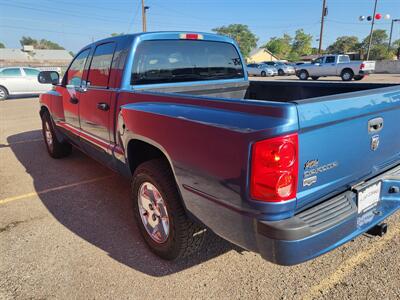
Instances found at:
x=391 y=32
x=144 y=9
x=324 y=14
x=372 y=29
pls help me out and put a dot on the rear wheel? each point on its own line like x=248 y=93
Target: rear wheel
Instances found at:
x=263 y=74
x=347 y=75
x=359 y=77
x=159 y=212
x=55 y=148
x=314 y=77
x=303 y=75
x=3 y=93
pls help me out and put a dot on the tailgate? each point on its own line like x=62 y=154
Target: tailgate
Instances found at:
x=368 y=65
x=345 y=139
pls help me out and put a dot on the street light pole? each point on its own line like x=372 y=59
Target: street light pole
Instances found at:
x=391 y=32
x=372 y=29
x=322 y=26
x=144 y=22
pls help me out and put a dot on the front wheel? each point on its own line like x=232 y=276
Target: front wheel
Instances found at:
x=159 y=212
x=359 y=77
x=55 y=148
x=314 y=77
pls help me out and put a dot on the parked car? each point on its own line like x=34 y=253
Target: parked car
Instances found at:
x=282 y=67
x=261 y=70
x=20 y=81
x=256 y=162
x=336 y=65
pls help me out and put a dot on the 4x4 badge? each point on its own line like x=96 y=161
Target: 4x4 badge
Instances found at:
x=374 y=142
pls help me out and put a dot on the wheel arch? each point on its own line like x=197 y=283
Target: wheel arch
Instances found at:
x=7 y=91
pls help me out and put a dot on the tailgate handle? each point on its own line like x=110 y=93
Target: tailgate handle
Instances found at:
x=375 y=125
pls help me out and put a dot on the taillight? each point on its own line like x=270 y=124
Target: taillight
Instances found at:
x=191 y=36
x=274 y=167
x=362 y=66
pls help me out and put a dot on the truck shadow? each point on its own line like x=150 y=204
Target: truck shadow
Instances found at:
x=99 y=212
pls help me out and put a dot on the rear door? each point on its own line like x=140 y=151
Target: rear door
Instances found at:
x=31 y=78
x=345 y=139
x=95 y=102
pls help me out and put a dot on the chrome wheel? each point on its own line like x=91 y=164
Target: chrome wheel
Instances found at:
x=48 y=135
x=153 y=212
x=346 y=76
x=2 y=94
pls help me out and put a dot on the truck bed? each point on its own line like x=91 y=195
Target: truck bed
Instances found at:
x=277 y=91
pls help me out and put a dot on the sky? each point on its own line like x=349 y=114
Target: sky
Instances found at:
x=75 y=23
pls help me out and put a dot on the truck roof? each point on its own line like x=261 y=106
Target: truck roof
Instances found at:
x=167 y=35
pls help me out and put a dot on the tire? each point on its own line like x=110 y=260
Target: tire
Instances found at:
x=314 y=77
x=280 y=72
x=183 y=237
x=3 y=93
x=347 y=75
x=55 y=148
x=358 y=77
x=303 y=75
x=263 y=74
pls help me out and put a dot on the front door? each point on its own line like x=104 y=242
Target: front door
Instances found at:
x=95 y=102
x=73 y=89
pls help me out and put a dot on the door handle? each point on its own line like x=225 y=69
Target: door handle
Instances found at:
x=103 y=106
x=375 y=125
x=74 y=100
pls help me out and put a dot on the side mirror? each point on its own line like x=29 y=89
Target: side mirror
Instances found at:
x=51 y=77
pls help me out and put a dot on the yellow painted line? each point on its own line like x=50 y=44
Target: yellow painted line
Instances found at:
x=23 y=142
x=348 y=266
x=28 y=195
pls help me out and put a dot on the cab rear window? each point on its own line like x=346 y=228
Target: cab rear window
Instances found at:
x=168 y=61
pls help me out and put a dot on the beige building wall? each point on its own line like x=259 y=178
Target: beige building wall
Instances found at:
x=260 y=56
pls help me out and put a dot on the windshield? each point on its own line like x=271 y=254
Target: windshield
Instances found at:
x=164 y=61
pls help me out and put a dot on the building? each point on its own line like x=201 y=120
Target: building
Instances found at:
x=30 y=57
x=261 y=54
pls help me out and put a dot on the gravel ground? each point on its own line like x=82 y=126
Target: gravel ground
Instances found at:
x=67 y=232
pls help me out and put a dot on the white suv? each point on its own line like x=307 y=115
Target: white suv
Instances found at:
x=20 y=81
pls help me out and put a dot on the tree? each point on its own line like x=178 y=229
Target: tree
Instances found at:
x=344 y=44
x=279 y=46
x=117 y=34
x=39 y=44
x=379 y=45
x=302 y=43
x=2 y=45
x=241 y=34
x=379 y=36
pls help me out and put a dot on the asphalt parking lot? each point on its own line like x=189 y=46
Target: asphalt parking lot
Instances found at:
x=67 y=231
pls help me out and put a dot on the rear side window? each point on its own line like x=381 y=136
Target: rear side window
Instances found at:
x=31 y=72
x=75 y=71
x=12 y=72
x=100 y=67
x=344 y=59
x=168 y=61
x=330 y=59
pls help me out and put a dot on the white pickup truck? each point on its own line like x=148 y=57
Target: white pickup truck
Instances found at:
x=335 y=65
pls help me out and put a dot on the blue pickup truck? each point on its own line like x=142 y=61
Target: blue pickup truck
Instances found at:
x=290 y=170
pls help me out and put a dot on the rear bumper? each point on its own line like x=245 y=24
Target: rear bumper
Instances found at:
x=326 y=226
x=365 y=72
